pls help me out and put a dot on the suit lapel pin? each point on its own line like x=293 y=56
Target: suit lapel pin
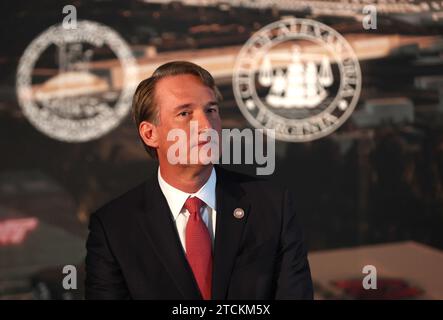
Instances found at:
x=239 y=213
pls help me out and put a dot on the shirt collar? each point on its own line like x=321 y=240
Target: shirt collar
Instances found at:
x=177 y=198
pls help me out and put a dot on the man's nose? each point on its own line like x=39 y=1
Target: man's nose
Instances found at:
x=203 y=122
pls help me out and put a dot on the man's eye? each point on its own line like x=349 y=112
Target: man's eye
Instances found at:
x=184 y=114
x=212 y=110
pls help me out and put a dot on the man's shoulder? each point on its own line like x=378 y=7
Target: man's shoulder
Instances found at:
x=257 y=185
x=124 y=204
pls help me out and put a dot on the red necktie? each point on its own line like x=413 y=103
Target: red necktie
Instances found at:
x=199 y=247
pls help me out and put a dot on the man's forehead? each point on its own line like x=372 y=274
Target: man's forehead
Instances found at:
x=183 y=86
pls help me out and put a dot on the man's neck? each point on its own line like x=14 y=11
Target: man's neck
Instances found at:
x=187 y=179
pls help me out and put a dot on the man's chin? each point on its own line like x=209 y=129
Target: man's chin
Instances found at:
x=202 y=162
x=196 y=166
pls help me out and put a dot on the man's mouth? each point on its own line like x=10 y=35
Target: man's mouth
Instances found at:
x=201 y=143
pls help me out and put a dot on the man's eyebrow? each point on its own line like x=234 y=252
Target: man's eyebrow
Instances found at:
x=182 y=106
x=211 y=103
x=189 y=105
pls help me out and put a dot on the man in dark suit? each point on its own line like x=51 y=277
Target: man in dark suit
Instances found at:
x=194 y=230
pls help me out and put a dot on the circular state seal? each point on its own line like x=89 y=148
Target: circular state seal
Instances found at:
x=299 y=77
x=62 y=89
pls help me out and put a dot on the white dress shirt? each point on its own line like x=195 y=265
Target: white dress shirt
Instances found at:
x=176 y=200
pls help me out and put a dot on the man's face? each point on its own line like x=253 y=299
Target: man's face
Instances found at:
x=182 y=99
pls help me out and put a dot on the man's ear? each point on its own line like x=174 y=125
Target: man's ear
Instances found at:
x=149 y=134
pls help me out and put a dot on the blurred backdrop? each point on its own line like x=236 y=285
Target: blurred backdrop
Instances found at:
x=371 y=192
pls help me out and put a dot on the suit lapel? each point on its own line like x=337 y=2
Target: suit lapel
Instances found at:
x=228 y=232
x=159 y=227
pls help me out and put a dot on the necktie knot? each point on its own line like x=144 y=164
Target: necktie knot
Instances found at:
x=193 y=205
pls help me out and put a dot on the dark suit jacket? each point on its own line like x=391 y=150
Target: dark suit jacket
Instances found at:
x=134 y=251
